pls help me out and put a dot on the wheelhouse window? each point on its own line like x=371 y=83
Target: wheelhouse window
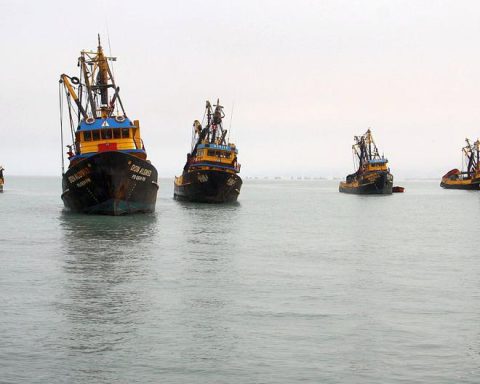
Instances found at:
x=87 y=136
x=106 y=134
x=117 y=134
x=125 y=133
x=96 y=135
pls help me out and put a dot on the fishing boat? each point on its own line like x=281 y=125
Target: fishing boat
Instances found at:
x=2 y=180
x=470 y=178
x=108 y=171
x=373 y=174
x=210 y=174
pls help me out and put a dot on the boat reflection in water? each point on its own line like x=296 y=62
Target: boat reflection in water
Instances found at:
x=105 y=265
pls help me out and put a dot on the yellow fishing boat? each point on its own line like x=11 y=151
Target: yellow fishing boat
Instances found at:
x=469 y=179
x=373 y=174
x=210 y=174
x=2 y=180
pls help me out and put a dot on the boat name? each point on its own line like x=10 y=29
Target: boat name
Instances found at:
x=141 y=171
x=371 y=177
x=79 y=175
x=139 y=178
x=202 y=178
x=84 y=182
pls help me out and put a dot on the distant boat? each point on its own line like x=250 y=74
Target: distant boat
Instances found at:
x=210 y=174
x=373 y=175
x=470 y=179
x=108 y=170
x=2 y=179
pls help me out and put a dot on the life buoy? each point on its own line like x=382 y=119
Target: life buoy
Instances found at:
x=89 y=120
x=119 y=119
x=75 y=80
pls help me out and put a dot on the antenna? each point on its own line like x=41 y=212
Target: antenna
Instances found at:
x=111 y=56
x=108 y=40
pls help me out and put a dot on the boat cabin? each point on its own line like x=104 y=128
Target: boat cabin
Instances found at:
x=109 y=134
x=376 y=165
x=224 y=156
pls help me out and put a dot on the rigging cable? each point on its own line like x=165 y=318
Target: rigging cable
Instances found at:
x=353 y=159
x=111 y=64
x=60 y=100
x=203 y=118
x=230 y=126
x=70 y=114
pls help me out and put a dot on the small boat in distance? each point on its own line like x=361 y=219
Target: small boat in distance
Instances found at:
x=210 y=174
x=2 y=180
x=373 y=175
x=108 y=171
x=469 y=179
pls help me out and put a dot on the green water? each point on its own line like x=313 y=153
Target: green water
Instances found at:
x=296 y=283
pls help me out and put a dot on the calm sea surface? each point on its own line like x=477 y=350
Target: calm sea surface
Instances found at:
x=296 y=283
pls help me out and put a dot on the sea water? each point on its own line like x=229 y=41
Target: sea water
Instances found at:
x=295 y=283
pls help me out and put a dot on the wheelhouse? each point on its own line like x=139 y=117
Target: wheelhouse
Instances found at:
x=215 y=152
x=109 y=134
x=377 y=165
x=211 y=155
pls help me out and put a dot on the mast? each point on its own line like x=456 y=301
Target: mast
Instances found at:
x=217 y=125
x=102 y=79
x=365 y=148
x=477 y=145
x=90 y=98
x=470 y=155
x=91 y=93
x=213 y=131
x=369 y=140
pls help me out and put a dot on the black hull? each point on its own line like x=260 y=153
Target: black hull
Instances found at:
x=208 y=186
x=382 y=185
x=111 y=183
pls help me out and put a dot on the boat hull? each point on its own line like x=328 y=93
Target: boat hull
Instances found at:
x=208 y=186
x=111 y=183
x=470 y=185
x=377 y=184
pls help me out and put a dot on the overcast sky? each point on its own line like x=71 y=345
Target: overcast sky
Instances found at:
x=304 y=77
